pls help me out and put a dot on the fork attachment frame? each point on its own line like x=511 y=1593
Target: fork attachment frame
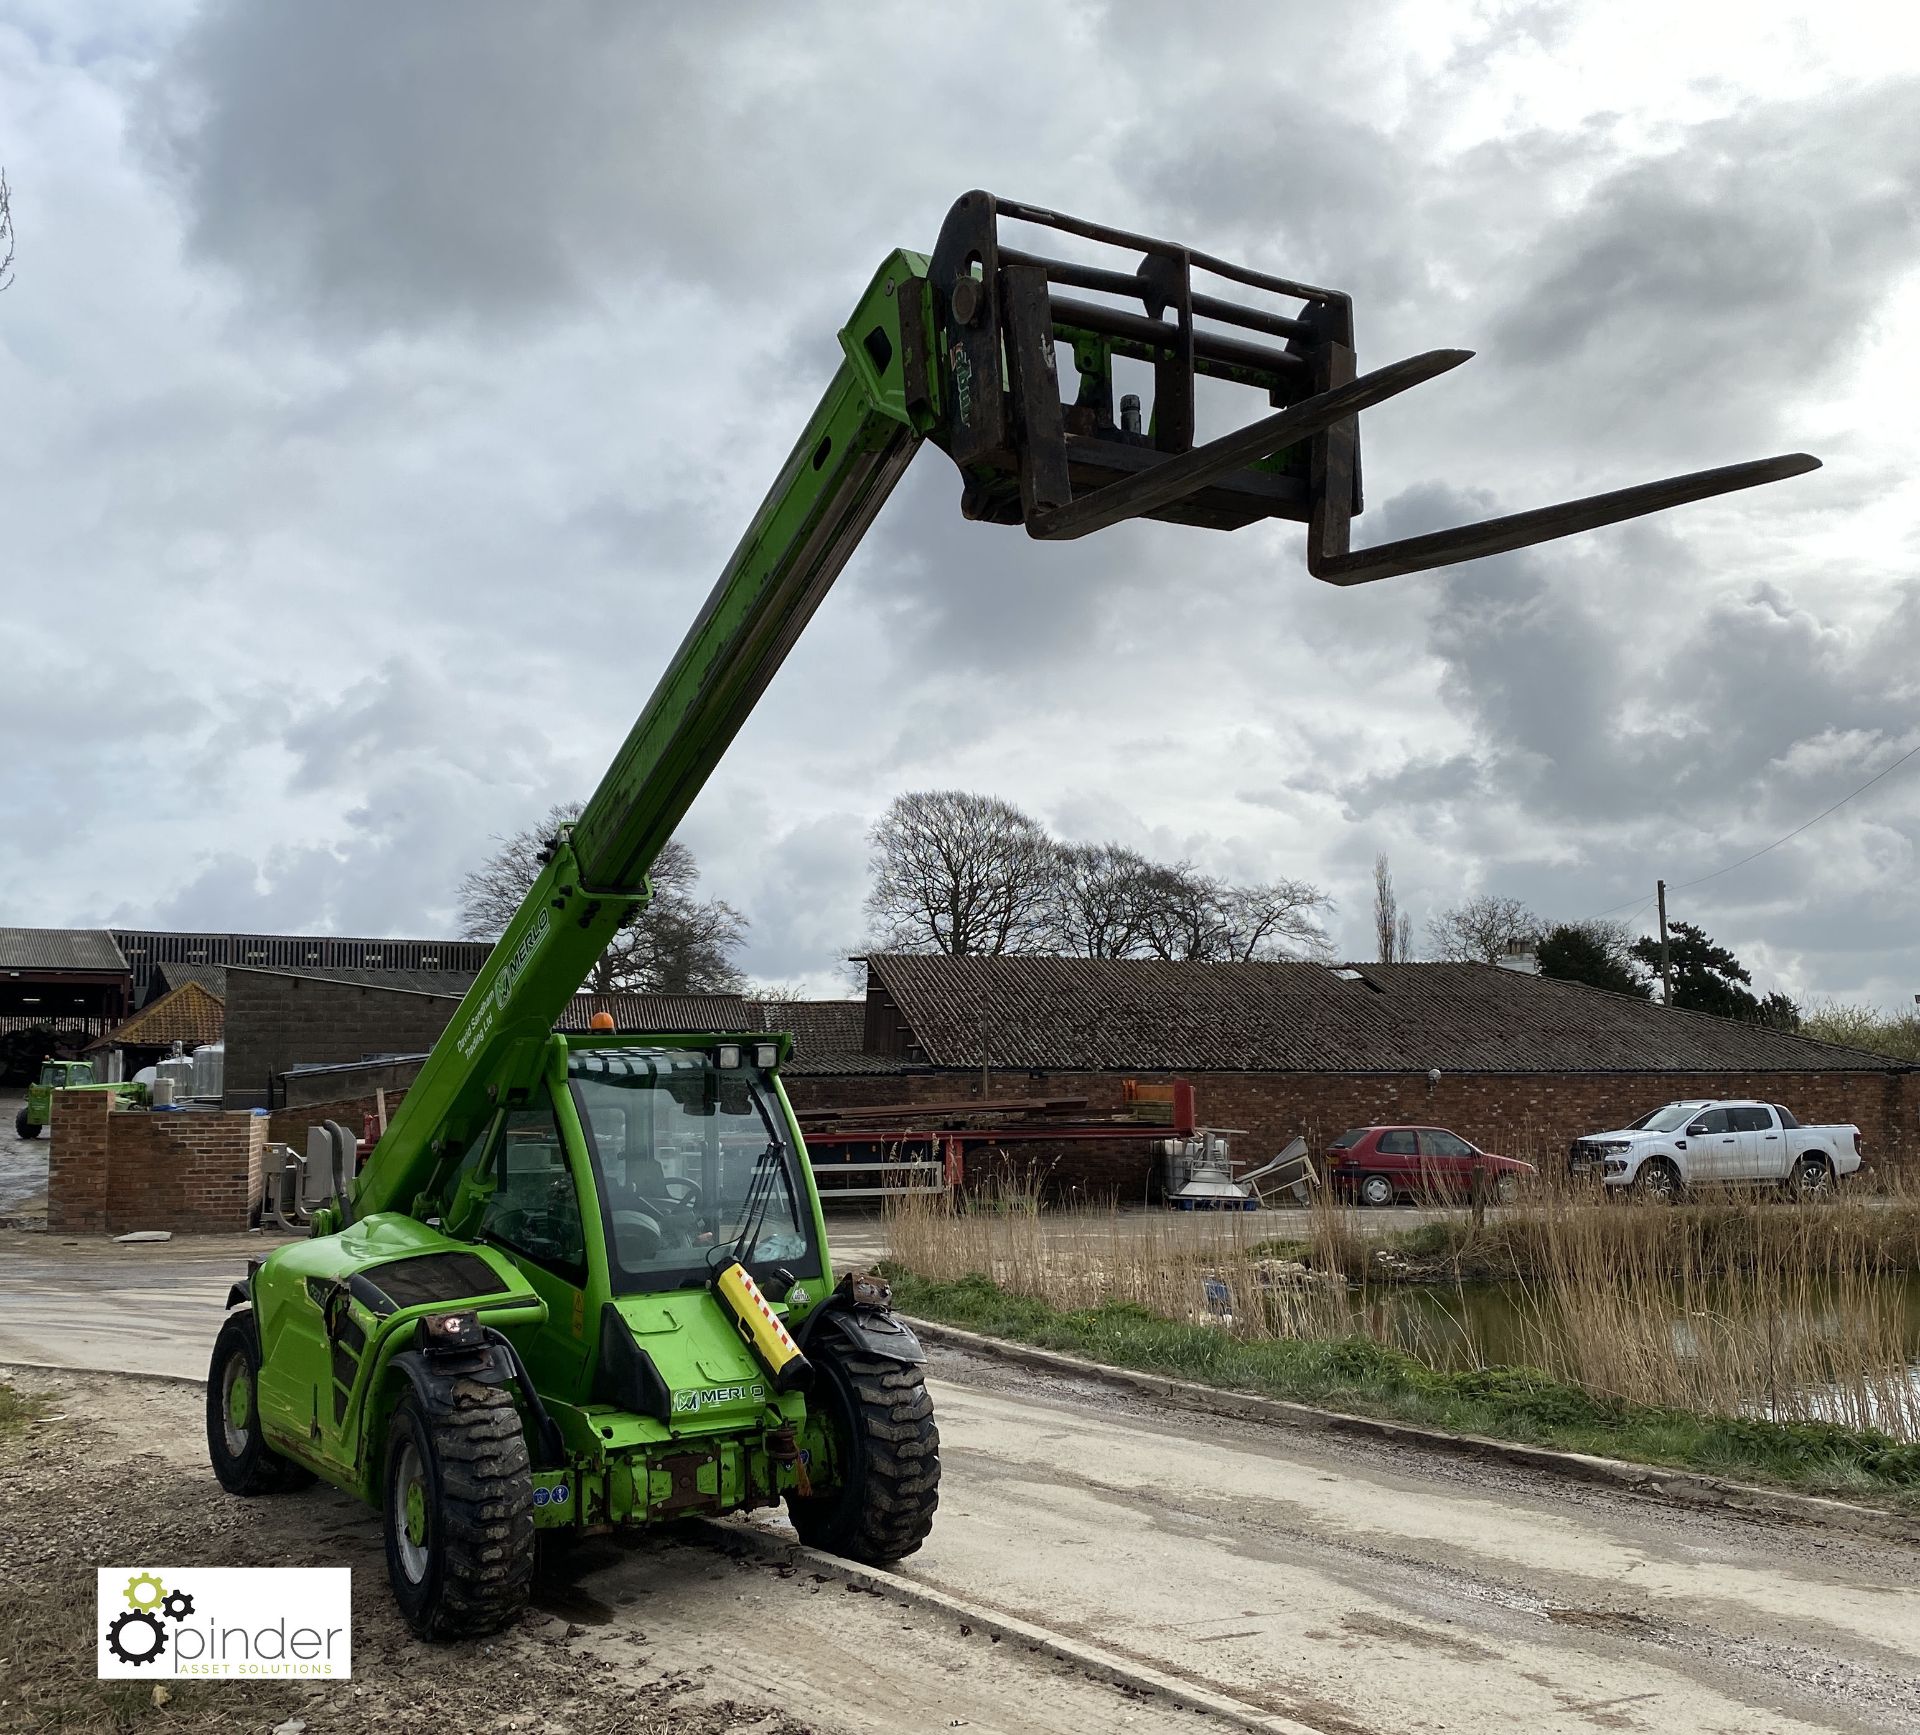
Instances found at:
x=1065 y=469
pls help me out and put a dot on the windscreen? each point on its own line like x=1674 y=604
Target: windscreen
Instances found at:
x=1671 y=1118
x=693 y=1167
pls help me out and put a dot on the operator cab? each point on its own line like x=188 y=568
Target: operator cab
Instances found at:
x=66 y=1074
x=694 y=1164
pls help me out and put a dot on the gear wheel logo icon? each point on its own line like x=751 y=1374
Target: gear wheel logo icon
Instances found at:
x=140 y=1620
x=178 y=1605
x=145 y=1593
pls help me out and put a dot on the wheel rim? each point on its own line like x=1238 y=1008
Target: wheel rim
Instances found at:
x=1813 y=1177
x=410 y=1499
x=236 y=1404
x=1660 y=1183
x=1376 y=1192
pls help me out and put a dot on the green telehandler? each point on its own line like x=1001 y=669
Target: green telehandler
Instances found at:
x=582 y=1281
x=37 y=1111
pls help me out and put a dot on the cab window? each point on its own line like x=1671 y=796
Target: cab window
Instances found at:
x=1714 y=1120
x=534 y=1209
x=1749 y=1120
x=1397 y=1142
x=1437 y=1142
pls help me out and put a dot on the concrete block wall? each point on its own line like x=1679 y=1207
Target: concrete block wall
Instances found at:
x=117 y=1171
x=1533 y=1115
x=276 y=1022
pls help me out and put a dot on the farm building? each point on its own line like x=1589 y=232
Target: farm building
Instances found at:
x=1515 y=1062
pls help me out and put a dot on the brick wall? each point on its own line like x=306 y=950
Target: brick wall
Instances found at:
x=190 y=1172
x=1533 y=1116
x=77 y=1161
x=274 y=1022
x=288 y=1126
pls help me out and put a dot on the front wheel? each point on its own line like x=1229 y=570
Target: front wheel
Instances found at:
x=886 y=1450
x=458 y=1511
x=1658 y=1181
x=24 y=1125
x=241 y=1457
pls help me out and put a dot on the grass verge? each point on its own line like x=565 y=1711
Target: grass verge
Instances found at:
x=18 y=1411
x=1362 y=1377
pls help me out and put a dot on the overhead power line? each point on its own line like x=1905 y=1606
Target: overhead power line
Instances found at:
x=1885 y=771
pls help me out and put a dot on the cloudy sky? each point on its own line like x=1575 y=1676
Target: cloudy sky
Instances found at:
x=383 y=386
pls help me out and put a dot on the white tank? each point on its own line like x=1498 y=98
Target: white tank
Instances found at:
x=209 y=1071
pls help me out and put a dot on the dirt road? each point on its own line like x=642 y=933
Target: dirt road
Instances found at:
x=1358 y=1589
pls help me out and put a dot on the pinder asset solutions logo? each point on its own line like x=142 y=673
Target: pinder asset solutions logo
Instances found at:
x=177 y=1622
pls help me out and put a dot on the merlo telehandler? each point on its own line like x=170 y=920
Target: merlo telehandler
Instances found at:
x=37 y=1111
x=583 y=1282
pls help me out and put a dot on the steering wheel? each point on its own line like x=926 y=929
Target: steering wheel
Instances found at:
x=687 y=1197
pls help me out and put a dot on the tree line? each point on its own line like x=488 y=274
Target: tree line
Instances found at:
x=972 y=876
x=949 y=871
x=1706 y=976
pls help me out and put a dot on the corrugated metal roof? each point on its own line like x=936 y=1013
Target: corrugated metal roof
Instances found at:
x=60 y=949
x=188 y=1014
x=663 y=1014
x=212 y=977
x=1099 y=1014
x=829 y=1036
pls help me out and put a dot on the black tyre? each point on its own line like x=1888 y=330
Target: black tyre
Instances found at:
x=25 y=1128
x=1812 y=1178
x=1505 y=1189
x=1659 y=1182
x=458 y=1512
x=889 y=1449
x=1375 y=1190
x=241 y=1458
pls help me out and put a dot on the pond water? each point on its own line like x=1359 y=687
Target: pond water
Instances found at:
x=1509 y=1325
x=1502 y=1324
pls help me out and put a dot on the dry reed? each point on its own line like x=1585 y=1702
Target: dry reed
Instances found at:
x=1747 y=1307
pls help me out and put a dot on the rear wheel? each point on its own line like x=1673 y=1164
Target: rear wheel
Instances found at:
x=25 y=1127
x=888 y=1451
x=1658 y=1181
x=241 y=1457
x=1376 y=1190
x=458 y=1511
x=1812 y=1178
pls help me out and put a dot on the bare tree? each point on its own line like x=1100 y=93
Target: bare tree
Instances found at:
x=1194 y=917
x=1392 y=926
x=1101 y=901
x=6 y=233
x=1482 y=930
x=959 y=873
x=680 y=944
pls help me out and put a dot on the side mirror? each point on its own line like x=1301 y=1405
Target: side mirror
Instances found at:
x=1697 y=1130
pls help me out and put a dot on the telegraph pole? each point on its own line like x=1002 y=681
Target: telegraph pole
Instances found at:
x=1666 y=971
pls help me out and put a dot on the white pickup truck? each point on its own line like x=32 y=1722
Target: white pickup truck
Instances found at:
x=1716 y=1143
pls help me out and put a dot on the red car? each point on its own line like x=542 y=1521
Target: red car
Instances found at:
x=1377 y=1165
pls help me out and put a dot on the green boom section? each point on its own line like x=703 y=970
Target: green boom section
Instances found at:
x=856 y=447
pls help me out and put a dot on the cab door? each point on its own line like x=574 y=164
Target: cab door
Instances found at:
x=1713 y=1147
x=533 y=1215
x=1761 y=1146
